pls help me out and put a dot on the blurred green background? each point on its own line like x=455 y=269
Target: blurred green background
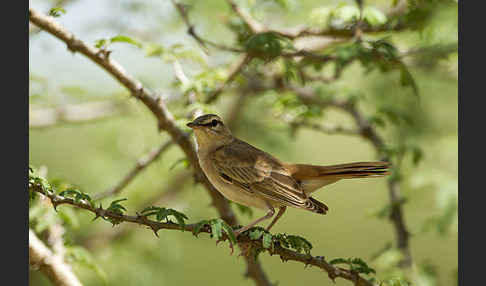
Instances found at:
x=95 y=155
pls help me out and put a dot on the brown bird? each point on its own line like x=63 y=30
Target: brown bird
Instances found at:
x=254 y=178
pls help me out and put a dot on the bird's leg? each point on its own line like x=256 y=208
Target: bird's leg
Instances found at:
x=270 y=213
x=279 y=214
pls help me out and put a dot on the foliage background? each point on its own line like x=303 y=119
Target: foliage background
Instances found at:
x=95 y=155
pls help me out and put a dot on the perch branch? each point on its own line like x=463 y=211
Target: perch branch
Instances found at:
x=284 y=253
x=298 y=32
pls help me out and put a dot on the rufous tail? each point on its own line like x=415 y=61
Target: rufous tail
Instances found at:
x=341 y=171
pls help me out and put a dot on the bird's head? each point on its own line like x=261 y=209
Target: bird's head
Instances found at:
x=210 y=131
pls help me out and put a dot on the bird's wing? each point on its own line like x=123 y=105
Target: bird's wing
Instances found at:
x=258 y=172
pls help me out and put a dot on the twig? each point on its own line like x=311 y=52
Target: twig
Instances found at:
x=297 y=32
x=284 y=253
x=192 y=32
x=140 y=165
x=254 y=25
x=51 y=264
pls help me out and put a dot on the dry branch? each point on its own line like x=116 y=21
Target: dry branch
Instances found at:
x=51 y=264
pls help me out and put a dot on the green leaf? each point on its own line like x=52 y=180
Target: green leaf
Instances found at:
x=406 y=79
x=77 y=196
x=299 y=243
x=417 y=155
x=229 y=232
x=164 y=213
x=293 y=241
x=267 y=45
x=153 y=50
x=116 y=207
x=101 y=43
x=216 y=228
x=125 y=39
x=373 y=16
x=185 y=162
x=256 y=233
x=267 y=240
x=56 y=11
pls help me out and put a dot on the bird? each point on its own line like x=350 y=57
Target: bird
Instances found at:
x=252 y=177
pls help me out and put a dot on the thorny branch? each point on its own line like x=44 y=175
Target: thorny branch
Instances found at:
x=243 y=240
x=158 y=108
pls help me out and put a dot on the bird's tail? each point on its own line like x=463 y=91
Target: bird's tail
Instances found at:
x=316 y=206
x=314 y=177
x=342 y=171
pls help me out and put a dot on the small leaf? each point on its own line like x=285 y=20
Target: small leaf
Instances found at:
x=373 y=16
x=125 y=39
x=406 y=79
x=229 y=232
x=267 y=240
x=216 y=228
x=256 y=234
x=56 y=11
x=101 y=43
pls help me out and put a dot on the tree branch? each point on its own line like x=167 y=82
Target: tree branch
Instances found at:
x=298 y=32
x=51 y=264
x=192 y=32
x=243 y=240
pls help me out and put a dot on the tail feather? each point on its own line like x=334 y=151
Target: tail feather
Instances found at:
x=313 y=177
x=341 y=171
x=316 y=206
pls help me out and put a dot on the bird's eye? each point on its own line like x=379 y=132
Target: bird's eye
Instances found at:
x=214 y=122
